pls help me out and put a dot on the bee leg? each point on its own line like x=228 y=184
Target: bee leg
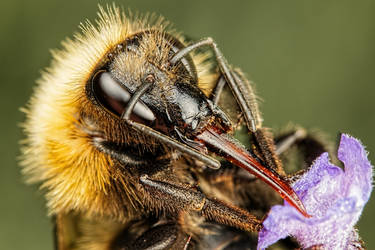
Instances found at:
x=302 y=146
x=287 y=141
x=245 y=97
x=241 y=91
x=263 y=137
x=161 y=234
x=167 y=236
x=310 y=145
x=170 y=197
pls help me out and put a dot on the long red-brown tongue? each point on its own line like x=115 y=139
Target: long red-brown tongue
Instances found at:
x=234 y=152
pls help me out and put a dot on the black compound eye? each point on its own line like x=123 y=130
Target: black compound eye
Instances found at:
x=114 y=97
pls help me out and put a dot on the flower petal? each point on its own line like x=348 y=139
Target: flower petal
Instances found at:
x=357 y=167
x=335 y=199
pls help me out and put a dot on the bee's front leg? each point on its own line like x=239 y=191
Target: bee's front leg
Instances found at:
x=165 y=196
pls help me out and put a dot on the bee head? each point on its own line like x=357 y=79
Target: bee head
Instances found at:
x=173 y=104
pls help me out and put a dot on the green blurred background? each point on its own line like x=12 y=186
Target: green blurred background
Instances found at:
x=313 y=63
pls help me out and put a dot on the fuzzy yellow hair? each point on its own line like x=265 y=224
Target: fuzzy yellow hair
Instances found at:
x=58 y=152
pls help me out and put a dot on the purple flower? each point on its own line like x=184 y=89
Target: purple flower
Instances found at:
x=335 y=199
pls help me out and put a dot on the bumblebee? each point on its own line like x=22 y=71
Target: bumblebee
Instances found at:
x=126 y=132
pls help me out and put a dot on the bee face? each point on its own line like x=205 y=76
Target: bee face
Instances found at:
x=173 y=104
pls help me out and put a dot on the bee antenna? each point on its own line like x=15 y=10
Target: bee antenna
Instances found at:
x=133 y=100
x=182 y=53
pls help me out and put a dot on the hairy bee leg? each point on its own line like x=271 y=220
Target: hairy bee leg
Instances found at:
x=172 y=197
x=263 y=137
x=245 y=98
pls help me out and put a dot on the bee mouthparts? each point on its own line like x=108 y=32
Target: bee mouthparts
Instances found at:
x=229 y=148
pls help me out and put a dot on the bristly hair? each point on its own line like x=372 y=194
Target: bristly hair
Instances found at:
x=58 y=152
